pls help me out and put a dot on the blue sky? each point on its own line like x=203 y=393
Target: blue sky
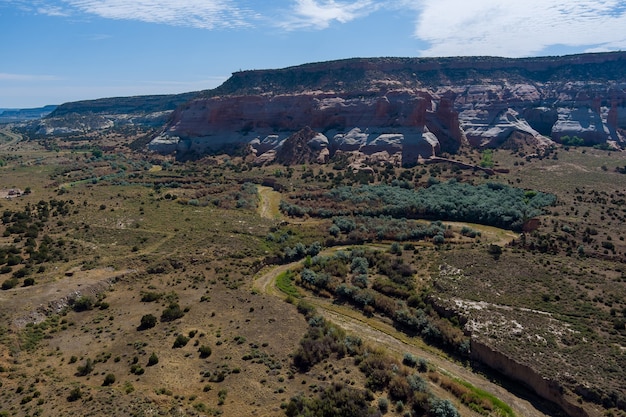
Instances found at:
x=55 y=51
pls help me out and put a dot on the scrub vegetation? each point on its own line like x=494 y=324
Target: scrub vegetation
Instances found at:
x=134 y=282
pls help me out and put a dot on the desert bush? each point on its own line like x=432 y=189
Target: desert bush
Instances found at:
x=108 y=380
x=399 y=388
x=337 y=400
x=306 y=309
x=153 y=359
x=417 y=383
x=75 y=395
x=148 y=321
x=136 y=369
x=383 y=405
x=148 y=297
x=172 y=312
x=443 y=408
x=205 y=351
x=86 y=368
x=409 y=360
x=83 y=303
x=181 y=341
x=10 y=283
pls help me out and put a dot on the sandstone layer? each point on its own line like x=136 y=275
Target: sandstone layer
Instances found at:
x=411 y=108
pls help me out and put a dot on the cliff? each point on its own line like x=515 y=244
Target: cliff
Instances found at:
x=426 y=104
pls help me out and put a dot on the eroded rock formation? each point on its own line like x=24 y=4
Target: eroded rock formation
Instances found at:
x=409 y=108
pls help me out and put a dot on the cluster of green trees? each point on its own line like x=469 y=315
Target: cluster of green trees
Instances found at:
x=572 y=140
x=375 y=281
x=402 y=384
x=363 y=228
x=491 y=203
x=31 y=248
x=300 y=250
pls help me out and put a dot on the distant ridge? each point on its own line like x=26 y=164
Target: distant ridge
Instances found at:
x=118 y=105
x=20 y=115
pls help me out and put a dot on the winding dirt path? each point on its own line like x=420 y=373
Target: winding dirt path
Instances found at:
x=379 y=331
x=269 y=204
x=13 y=138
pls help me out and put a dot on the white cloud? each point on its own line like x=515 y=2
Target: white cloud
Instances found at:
x=494 y=27
x=205 y=14
x=319 y=14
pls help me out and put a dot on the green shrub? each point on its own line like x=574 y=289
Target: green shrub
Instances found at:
x=409 y=360
x=75 y=395
x=85 y=369
x=181 y=341
x=10 y=283
x=153 y=359
x=147 y=321
x=83 y=303
x=136 y=369
x=108 y=380
x=148 y=297
x=205 y=351
x=172 y=312
x=383 y=405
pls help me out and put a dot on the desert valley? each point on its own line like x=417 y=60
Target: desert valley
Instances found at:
x=361 y=237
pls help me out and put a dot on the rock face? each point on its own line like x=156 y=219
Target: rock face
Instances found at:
x=548 y=389
x=376 y=123
x=409 y=108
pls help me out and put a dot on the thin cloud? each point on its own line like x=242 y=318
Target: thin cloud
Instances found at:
x=203 y=14
x=319 y=14
x=27 y=77
x=493 y=27
x=98 y=37
x=53 y=11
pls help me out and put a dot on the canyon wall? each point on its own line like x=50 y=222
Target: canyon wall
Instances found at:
x=430 y=105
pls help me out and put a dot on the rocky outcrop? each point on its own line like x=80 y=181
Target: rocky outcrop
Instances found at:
x=303 y=147
x=410 y=107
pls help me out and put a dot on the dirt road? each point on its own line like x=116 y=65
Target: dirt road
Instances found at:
x=381 y=333
x=269 y=204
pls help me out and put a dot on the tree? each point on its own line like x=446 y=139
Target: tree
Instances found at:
x=148 y=321
x=205 y=351
x=75 y=394
x=181 y=341
x=172 y=312
x=443 y=408
x=359 y=265
x=83 y=303
x=108 y=380
x=495 y=251
x=395 y=249
x=153 y=359
x=85 y=369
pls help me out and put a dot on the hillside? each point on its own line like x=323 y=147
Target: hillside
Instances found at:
x=118 y=114
x=20 y=115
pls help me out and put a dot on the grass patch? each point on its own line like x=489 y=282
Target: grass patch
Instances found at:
x=284 y=282
x=478 y=397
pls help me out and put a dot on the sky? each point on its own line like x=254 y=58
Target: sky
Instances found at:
x=56 y=51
